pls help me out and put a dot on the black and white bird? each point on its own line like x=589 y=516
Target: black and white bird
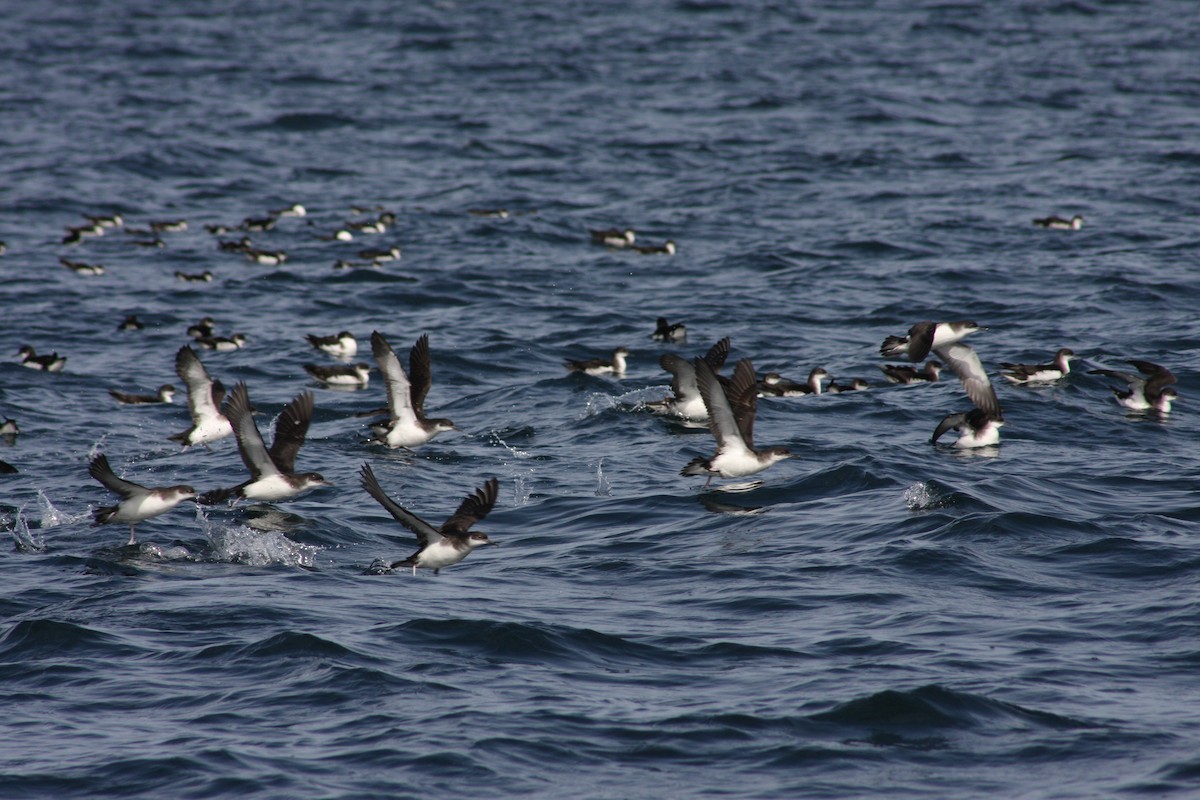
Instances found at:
x=900 y=373
x=600 y=366
x=1040 y=373
x=223 y=344
x=204 y=401
x=731 y=412
x=613 y=237
x=667 y=332
x=166 y=394
x=855 y=385
x=272 y=475
x=775 y=385
x=686 y=402
x=407 y=425
x=1150 y=391
x=1060 y=224
x=666 y=248
x=82 y=267
x=138 y=503
x=47 y=363
x=348 y=375
x=131 y=323
x=444 y=546
x=945 y=340
x=341 y=345
x=203 y=329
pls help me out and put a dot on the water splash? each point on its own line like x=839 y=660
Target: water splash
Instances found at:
x=603 y=489
x=23 y=537
x=921 y=496
x=516 y=451
x=51 y=517
x=242 y=544
x=598 y=403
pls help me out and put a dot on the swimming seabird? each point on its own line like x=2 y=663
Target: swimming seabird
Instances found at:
x=1040 y=373
x=203 y=329
x=137 y=502
x=381 y=256
x=1058 y=223
x=667 y=332
x=899 y=373
x=1149 y=391
x=686 y=401
x=613 y=237
x=268 y=258
x=258 y=223
x=105 y=221
x=341 y=374
x=9 y=427
x=444 y=546
x=271 y=471
x=600 y=366
x=775 y=385
x=195 y=277
x=294 y=210
x=855 y=385
x=342 y=345
x=131 y=323
x=169 y=225
x=235 y=245
x=204 y=400
x=81 y=267
x=731 y=413
x=222 y=344
x=166 y=394
x=666 y=248
x=407 y=425
x=49 y=363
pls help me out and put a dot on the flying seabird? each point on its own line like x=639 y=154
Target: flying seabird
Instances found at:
x=731 y=413
x=137 y=502
x=407 y=425
x=686 y=401
x=667 y=332
x=271 y=471
x=449 y=544
x=204 y=400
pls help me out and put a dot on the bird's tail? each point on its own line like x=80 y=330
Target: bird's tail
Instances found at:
x=894 y=347
x=215 y=496
x=697 y=466
x=103 y=515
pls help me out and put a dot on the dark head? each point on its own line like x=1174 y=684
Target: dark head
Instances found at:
x=311 y=480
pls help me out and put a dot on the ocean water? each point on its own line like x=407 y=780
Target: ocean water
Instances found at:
x=879 y=618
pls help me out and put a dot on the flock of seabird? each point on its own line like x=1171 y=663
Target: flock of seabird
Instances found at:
x=700 y=394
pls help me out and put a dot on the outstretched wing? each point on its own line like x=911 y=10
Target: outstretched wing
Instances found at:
x=716 y=355
x=966 y=365
x=398 y=387
x=191 y=371
x=250 y=442
x=420 y=373
x=290 y=430
x=425 y=532
x=743 y=399
x=101 y=471
x=474 y=508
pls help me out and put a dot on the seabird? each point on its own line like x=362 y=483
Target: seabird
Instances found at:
x=137 y=502
x=166 y=394
x=599 y=366
x=204 y=400
x=613 y=237
x=666 y=332
x=381 y=256
x=1040 y=373
x=444 y=546
x=235 y=246
x=81 y=267
x=1058 y=223
x=976 y=428
x=203 y=329
x=926 y=336
x=222 y=344
x=666 y=248
x=294 y=210
x=341 y=374
x=407 y=425
x=9 y=427
x=130 y=323
x=169 y=225
x=855 y=385
x=731 y=413
x=51 y=363
x=686 y=401
x=775 y=385
x=195 y=277
x=108 y=221
x=897 y=373
x=258 y=223
x=1149 y=391
x=268 y=258
x=342 y=345
x=271 y=471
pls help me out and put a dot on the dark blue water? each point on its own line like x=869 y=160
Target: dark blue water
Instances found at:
x=895 y=621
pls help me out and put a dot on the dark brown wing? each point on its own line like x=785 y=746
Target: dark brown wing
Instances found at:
x=743 y=399
x=716 y=355
x=1157 y=379
x=474 y=508
x=101 y=471
x=420 y=374
x=290 y=430
x=426 y=533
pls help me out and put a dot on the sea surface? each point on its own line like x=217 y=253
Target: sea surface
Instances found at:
x=878 y=618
